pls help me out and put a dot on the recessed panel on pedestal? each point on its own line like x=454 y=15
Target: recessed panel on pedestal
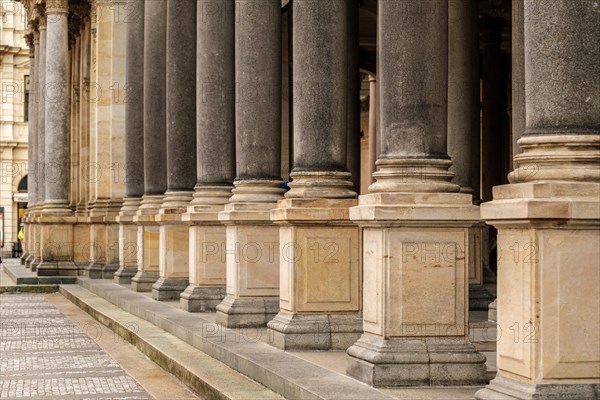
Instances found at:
x=255 y=252
x=128 y=245
x=569 y=304
x=174 y=248
x=517 y=268
x=151 y=248
x=426 y=295
x=207 y=255
x=57 y=243
x=327 y=269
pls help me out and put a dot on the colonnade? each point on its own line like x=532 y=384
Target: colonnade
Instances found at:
x=205 y=216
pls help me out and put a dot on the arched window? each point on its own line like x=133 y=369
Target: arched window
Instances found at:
x=22 y=187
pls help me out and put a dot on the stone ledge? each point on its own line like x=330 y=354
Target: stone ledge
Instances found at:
x=279 y=371
x=204 y=375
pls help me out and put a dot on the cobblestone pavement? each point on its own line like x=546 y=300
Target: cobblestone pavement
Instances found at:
x=45 y=355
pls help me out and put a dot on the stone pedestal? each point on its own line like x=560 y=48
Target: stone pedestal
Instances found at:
x=128 y=246
x=148 y=244
x=320 y=281
x=252 y=266
x=415 y=307
x=56 y=252
x=173 y=248
x=207 y=252
x=548 y=292
x=32 y=237
x=173 y=259
x=103 y=247
x=548 y=218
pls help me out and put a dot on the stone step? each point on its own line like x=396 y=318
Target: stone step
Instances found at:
x=279 y=371
x=23 y=276
x=204 y=375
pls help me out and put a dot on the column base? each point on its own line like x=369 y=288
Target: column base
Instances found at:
x=201 y=299
x=97 y=270
x=124 y=275
x=33 y=264
x=143 y=281
x=246 y=312
x=23 y=258
x=398 y=362
x=288 y=331
x=29 y=261
x=503 y=388
x=168 y=289
x=56 y=268
x=480 y=297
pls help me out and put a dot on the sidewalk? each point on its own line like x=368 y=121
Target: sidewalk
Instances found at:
x=47 y=354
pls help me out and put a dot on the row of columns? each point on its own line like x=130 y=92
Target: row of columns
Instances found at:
x=293 y=259
x=49 y=211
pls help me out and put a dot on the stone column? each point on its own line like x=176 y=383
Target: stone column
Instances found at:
x=353 y=162
x=155 y=141
x=373 y=126
x=57 y=218
x=463 y=126
x=32 y=174
x=518 y=76
x=319 y=264
x=181 y=162
x=252 y=240
x=415 y=222
x=41 y=113
x=40 y=148
x=215 y=152
x=548 y=218
x=134 y=141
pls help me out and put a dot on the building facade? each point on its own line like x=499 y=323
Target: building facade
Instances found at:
x=210 y=151
x=15 y=90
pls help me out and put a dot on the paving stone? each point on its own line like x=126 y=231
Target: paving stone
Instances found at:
x=44 y=355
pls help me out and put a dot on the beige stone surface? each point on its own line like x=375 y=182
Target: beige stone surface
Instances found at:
x=81 y=236
x=148 y=244
x=57 y=242
x=174 y=251
x=548 y=304
x=207 y=255
x=415 y=281
x=320 y=269
x=252 y=260
x=474 y=246
x=400 y=207
x=128 y=246
x=548 y=291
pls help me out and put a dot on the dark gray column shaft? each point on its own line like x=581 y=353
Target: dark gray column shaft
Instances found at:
x=32 y=125
x=56 y=82
x=181 y=95
x=562 y=67
x=354 y=83
x=215 y=79
x=258 y=91
x=463 y=88
x=155 y=85
x=134 y=108
x=413 y=78
x=320 y=85
x=41 y=118
x=518 y=76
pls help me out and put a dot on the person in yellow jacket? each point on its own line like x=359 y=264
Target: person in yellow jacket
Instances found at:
x=21 y=235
